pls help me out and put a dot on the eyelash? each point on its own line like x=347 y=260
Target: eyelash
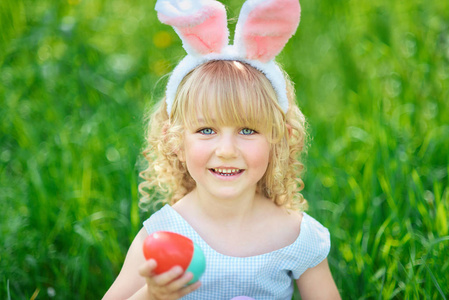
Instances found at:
x=252 y=131
x=203 y=129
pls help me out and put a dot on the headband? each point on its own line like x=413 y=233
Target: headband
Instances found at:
x=263 y=28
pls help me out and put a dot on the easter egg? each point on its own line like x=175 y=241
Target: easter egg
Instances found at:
x=242 y=298
x=171 y=249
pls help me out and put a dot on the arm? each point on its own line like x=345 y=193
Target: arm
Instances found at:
x=317 y=283
x=129 y=281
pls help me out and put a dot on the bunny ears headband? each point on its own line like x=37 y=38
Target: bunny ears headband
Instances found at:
x=262 y=30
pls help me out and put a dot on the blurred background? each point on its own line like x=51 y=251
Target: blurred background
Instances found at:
x=76 y=77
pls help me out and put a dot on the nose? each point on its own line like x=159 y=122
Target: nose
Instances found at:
x=227 y=147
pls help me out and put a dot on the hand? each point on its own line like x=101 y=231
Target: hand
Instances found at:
x=170 y=285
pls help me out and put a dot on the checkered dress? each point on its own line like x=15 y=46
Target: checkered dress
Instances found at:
x=267 y=276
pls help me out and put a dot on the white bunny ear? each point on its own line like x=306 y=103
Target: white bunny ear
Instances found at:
x=265 y=26
x=201 y=24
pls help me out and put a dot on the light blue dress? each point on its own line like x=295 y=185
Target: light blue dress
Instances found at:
x=267 y=276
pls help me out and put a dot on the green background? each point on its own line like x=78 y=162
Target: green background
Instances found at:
x=76 y=76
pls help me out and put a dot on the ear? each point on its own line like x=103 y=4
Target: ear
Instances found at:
x=289 y=130
x=180 y=154
x=265 y=26
x=201 y=25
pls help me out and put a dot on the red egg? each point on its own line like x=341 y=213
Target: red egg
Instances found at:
x=171 y=249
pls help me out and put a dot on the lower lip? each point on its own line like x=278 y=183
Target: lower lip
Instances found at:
x=227 y=177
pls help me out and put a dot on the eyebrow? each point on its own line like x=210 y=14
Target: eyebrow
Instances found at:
x=203 y=121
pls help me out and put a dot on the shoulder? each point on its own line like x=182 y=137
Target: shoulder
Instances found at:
x=281 y=226
x=316 y=239
x=315 y=233
x=312 y=246
x=163 y=219
x=290 y=222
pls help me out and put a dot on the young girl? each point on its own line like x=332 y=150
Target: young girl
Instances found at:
x=223 y=152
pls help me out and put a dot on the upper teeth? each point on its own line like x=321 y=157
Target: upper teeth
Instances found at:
x=226 y=170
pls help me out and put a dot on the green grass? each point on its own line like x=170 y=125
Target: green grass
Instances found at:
x=76 y=76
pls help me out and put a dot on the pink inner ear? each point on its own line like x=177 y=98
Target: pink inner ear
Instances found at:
x=269 y=27
x=208 y=36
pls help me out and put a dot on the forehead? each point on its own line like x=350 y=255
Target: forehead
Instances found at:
x=226 y=93
x=222 y=116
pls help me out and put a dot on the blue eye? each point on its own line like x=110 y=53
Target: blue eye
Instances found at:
x=247 y=131
x=206 y=131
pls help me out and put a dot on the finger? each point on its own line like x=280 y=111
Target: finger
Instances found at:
x=189 y=288
x=147 y=268
x=169 y=276
x=180 y=282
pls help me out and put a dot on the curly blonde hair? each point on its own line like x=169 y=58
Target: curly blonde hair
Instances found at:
x=220 y=91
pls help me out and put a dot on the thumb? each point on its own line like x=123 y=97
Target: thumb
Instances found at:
x=147 y=268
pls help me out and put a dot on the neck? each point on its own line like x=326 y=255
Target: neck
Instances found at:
x=222 y=210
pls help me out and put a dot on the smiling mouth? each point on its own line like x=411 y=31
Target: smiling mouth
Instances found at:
x=226 y=172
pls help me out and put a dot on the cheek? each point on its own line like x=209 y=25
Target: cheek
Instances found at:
x=259 y=156
x=195 y=154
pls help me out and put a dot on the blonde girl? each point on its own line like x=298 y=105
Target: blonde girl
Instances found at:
x=223 y=156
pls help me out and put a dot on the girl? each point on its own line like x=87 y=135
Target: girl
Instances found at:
x=223 y=149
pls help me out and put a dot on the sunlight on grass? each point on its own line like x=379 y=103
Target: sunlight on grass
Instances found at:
x=76 y=77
